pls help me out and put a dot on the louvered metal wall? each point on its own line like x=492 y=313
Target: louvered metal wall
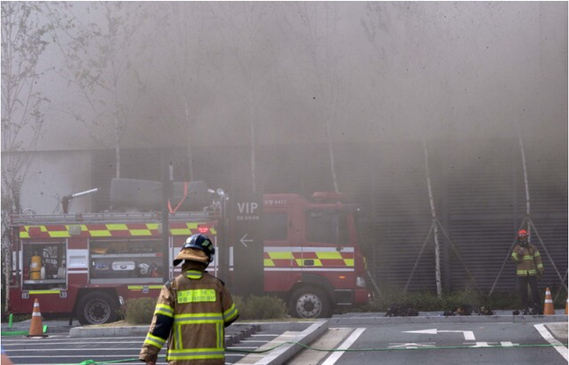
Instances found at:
x=479 y=195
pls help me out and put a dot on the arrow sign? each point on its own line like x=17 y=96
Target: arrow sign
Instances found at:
x=243 y=240
x=468 y=335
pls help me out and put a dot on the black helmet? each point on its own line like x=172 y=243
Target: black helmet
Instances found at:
x=202 y=243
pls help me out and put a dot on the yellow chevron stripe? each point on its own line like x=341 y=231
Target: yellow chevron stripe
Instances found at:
x=100 y=233
x=329 y=255
x=281 y=255
x=59 y=234
x=117 y=227
x=140 y=232
x=180 y=232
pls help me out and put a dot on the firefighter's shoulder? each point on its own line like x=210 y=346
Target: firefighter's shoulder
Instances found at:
x=215 y=278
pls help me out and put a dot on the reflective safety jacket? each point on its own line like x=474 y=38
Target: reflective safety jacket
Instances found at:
x=529 y=263
x=191 y=313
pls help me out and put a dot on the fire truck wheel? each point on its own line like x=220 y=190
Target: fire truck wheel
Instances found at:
x=310 y=302
x=97 y=308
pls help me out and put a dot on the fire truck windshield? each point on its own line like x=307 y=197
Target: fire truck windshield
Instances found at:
x=327 y=226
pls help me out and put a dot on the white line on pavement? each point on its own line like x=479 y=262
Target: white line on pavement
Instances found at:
x=552 y=340
x=344 y=346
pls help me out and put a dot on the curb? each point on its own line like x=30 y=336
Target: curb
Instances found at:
x=286 y=352
x=376 y=320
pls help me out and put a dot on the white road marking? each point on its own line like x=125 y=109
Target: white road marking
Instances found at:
x=468 y=335
x=344 y=346
x=552 y=340
x=412 y=345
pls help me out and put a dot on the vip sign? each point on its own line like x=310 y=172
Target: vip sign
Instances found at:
x=247 y=241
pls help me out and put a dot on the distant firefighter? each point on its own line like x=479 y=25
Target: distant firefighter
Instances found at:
x=529 y=268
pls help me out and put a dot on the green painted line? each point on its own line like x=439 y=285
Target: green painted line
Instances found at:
x=14 y=333
x=21 y=333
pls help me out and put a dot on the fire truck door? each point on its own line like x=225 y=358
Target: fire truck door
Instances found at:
x=279 y=262
x=326 y=249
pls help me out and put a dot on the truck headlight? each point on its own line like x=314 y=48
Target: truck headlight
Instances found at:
x=361 y=281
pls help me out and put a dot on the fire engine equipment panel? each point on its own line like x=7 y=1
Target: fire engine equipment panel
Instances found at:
x=128 y=259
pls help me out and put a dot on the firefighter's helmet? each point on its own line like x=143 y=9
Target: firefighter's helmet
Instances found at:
x=523 y=237
x=198 y=247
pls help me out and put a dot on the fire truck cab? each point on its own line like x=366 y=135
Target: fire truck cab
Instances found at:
x=311 y=254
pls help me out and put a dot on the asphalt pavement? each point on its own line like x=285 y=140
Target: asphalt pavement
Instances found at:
x=304 y=332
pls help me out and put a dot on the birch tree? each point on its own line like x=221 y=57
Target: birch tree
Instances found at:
x=406 y=43
x=244 y=30
x=23 y=44
x=315 y=26
x=181 y=30
x=100 y=42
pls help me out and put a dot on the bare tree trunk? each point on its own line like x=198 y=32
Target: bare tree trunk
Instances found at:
x=117 y=148
x=253 y=137
x=331 y=150
x=525 y=171
x=435 y=222
x=189 y=134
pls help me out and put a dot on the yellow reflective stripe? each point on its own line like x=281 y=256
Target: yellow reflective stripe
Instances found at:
x=140 y=232
x=268 y=262
x=527 y=258
x=196 y=296
x=194 y=274
x=281 y=255
x=45 y=291
x=117 y=227
x=349 y=262
x=316 y=262
x=154 y=341
x=526 y=272
x=140 y=287
x=59 y=234
x=537 y=254
x=329 y=255
x=164 y=310
x=197 y=318
x=180 y=231
x=540 y=266
x=220 y=335
x=231 y=313
x=197 y=354
x=100 y=233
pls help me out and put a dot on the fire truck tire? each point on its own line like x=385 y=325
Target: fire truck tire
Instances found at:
x=97 y=308
x=310 y=302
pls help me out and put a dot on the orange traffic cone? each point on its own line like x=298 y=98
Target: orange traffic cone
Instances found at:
x=36 y=327
x=548 y=306
x=567 y=306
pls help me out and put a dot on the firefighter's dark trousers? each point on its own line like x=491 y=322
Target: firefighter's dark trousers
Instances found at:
x=523 y=282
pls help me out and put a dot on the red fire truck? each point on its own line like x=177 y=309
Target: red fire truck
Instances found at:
x=88 y=265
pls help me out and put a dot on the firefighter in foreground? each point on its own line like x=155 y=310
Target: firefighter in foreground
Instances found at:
x=192 y=311
x=529 y=268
